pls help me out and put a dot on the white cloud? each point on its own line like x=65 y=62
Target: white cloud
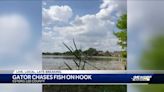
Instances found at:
x=111 y=9
x=14 y=33
x=90 y=30
x=56 y=14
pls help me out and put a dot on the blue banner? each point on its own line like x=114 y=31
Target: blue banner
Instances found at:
x=82 y=78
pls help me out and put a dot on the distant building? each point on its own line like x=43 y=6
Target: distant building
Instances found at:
x=100 y=53
x=116 y=53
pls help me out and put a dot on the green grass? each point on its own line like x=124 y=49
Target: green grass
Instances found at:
x=84 y=88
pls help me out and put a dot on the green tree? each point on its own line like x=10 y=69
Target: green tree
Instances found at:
x=152 y=57
x=122 y=34
x=91 y=51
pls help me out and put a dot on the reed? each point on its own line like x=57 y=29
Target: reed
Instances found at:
x=80 y=59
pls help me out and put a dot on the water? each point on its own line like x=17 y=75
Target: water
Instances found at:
x=52 y=62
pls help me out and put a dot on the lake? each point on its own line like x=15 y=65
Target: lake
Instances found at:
x=54 y=62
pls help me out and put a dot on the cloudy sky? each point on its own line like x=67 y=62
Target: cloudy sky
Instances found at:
x=90 y=23
x=20 y=38
x=144 y=22
x=20 y=34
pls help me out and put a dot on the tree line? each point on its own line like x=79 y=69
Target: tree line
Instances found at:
x=88 y=52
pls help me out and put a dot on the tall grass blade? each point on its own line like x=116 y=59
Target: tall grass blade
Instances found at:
x=83 y=68
x=67 y=47
x=75 y=44
x=67 y=65
x=76 y=63
x=71 y=51
x=79 y=56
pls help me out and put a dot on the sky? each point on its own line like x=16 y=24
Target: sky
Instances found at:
x=90 y=23
x=20 y=35
x=144 y=22
x=21 y=28
x=20 y=40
